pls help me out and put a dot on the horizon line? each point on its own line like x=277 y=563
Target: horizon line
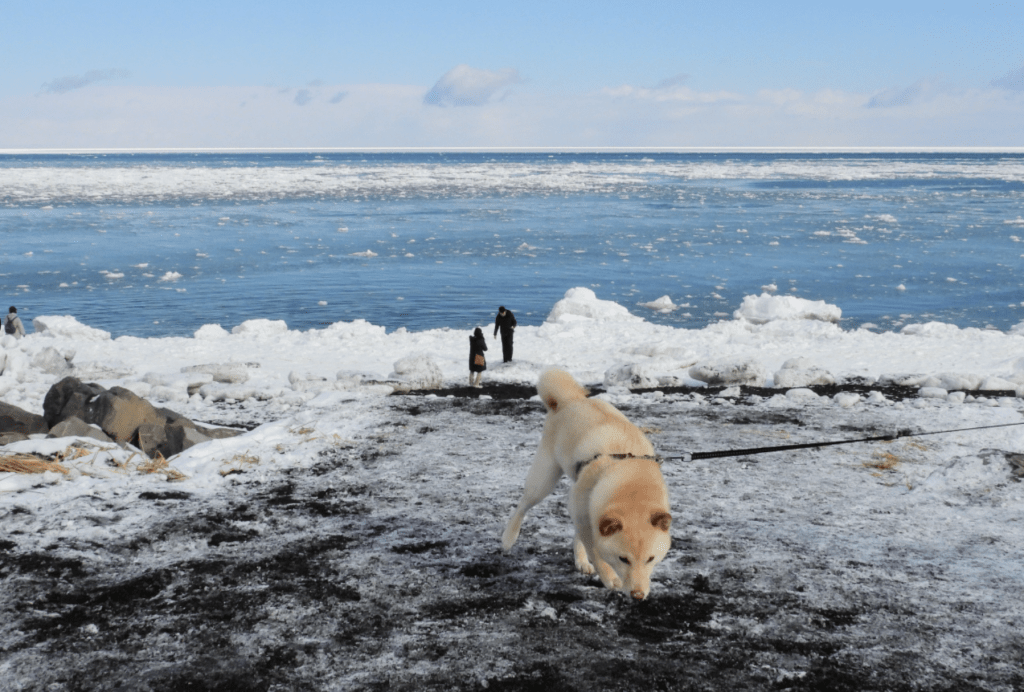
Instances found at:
x=504 y=149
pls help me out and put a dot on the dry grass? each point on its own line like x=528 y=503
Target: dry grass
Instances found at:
x=237 y=463
x=160 y=465
x=73 y=452
x=29 y=463
x=883 y=461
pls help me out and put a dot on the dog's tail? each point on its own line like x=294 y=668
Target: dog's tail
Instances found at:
x=558 y=388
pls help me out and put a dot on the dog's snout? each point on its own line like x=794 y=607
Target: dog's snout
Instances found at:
x=638 y=594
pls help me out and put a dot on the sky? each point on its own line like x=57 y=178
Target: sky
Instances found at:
x=532 y=74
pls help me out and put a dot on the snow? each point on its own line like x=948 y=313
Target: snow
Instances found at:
x=663 y=304
x=766 y=307
x=901 y=556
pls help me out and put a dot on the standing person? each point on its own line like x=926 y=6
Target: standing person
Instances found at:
x=477 y=362
x=506 y=322
x=13 y=325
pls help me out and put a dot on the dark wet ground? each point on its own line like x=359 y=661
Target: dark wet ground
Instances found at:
x=377 y=568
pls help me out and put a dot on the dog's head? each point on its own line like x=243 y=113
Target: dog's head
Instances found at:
x=633 y=543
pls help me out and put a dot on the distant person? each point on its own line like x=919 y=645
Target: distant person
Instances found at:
x=506 y=322
x=477 y=361
x=13 y=325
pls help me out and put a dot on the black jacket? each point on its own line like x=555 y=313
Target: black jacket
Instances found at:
x=477 y=346
x=504 y=322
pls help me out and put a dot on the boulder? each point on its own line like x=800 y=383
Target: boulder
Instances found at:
x=76 y=427
x=89 y=410
x=152 y=438
x=12 y=437
x=68 y=398
x=181 y=437
x=120 y=412
x=18 y=420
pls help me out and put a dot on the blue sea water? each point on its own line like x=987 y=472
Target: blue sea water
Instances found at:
x=159 y=244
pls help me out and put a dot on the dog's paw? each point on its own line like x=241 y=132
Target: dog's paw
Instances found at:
x=508 y=538
x=584 y=566
x=580 y=555
x=608 y=577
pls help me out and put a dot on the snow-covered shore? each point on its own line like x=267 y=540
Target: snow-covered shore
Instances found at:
x=350 y=541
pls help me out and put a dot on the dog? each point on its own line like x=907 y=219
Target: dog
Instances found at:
x=618 y=501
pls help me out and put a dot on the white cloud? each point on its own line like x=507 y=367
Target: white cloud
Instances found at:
x=382 y=115
x=1012 y=80
x=303 y=96
x=673 y=92
x=467 y=86
x=919 y=91
x=62 y=85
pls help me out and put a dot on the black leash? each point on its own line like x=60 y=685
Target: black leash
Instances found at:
x=693 y=456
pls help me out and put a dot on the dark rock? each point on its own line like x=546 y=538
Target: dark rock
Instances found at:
x=68 y=398
x=17 y=420
x=181 y=437
x=152 y=438
x=120 y=412
x=11 y=437
x=218 y=433
x=76 y=427
x=175 y=418
x=77 y=408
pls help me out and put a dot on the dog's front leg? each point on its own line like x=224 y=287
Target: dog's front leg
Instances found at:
x=579 y=551
x=608 y=576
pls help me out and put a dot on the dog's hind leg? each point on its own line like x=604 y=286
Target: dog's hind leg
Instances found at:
x=540 y=481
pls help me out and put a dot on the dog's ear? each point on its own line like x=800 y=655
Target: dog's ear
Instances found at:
x=663 y=520
x=609 y=525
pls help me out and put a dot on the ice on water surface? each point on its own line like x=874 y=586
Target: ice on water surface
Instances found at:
x=242 y=235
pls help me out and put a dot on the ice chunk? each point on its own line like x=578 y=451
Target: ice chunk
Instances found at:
x=418 y=372
x=768 y=308
x=211 y=331
x=663 y=304
x=583 y=304
x=261 y=326
x=68 y=326
x=748 y=372
x=800 y=372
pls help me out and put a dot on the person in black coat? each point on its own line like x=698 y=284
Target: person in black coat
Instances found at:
x=477 y=362
x=506 y=322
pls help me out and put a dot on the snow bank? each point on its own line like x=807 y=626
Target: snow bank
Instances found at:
x=266 y=371
x=67 y=326
x=583 y=304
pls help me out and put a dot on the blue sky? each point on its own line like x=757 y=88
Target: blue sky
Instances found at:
x=400 y=74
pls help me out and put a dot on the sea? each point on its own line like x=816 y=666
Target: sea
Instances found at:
x=158 y=244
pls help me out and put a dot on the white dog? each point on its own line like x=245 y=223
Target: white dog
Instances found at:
x=618 y=500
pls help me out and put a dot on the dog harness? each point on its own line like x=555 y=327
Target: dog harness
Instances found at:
x=580 y=465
